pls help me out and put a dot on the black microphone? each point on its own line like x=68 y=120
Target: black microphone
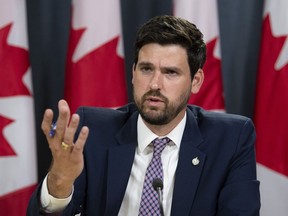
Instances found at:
x=158 y=186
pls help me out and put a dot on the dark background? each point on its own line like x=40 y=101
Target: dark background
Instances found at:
x=48 y=28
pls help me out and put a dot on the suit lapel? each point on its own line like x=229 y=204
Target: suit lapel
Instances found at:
x=189 y=168
x=187 y=173
x=120 y=163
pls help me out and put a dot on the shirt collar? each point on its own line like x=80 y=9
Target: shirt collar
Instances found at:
x=146 y=136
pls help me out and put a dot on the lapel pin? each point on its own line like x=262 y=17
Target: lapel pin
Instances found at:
x=195 y=161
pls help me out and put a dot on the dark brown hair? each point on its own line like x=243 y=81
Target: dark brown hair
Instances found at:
x=166 y=30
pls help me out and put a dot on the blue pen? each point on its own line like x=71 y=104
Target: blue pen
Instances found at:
x=53 y=129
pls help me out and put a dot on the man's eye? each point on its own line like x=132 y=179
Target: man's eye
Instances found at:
x=145 y=69
x=171 y=72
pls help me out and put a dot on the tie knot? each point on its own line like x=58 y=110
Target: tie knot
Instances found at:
x=159 y=145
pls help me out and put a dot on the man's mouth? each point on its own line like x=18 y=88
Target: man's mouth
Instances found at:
x=154 y=101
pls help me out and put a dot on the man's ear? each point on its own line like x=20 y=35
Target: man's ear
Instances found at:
x=133 y=71
x=197 y=81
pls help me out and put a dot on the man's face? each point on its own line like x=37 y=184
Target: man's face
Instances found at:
x=162 y=83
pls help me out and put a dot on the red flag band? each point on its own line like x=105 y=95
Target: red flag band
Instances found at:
x=95 y=74
x=271 y=107
x=17 y=132
x=211 y=95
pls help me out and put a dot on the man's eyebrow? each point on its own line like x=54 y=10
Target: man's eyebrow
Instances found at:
x=171 y=68
x=145 y=64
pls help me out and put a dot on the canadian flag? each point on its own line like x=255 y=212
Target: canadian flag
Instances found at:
x=204 y=14
x=95 y=74
x=271 y=110
x=18 y=176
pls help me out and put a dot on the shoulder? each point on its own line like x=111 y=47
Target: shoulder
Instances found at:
x=123 y=110
x=101 y=115
x=219 y=119
x=225 y=133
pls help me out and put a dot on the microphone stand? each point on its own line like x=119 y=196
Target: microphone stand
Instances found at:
x=158 y=186
x=160 y=198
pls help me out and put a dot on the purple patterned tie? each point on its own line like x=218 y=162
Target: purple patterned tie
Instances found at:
x=149 y=201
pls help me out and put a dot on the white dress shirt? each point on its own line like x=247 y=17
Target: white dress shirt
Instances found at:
x=143 y=155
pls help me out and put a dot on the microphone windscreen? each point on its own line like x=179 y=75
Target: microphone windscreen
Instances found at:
x=157 y=183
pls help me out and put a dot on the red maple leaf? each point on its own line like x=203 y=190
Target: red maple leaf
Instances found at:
x=98 y=78
x=14 y=62
x=272 y=104
x=5 y=148
x=210 y=95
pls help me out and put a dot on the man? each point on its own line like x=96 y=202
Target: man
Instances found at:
x=207 y=163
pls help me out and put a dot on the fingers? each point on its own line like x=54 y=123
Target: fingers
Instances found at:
x=47 y=121
x=63 y=119
x=65 y=130
x=71 y=129
x=83 y=135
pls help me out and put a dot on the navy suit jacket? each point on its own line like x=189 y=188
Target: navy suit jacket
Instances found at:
x=223 y=183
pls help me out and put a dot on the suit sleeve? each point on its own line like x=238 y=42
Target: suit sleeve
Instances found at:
x=34 y=206
x=240 y=194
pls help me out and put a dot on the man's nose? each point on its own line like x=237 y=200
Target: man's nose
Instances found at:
x=156 y=81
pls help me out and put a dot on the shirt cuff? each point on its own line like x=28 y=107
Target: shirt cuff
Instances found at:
x=51 y=204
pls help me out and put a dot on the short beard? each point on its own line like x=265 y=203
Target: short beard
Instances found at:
x=170 y=111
